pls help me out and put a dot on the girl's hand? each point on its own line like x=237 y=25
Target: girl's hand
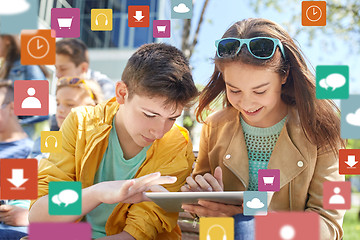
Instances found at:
x=213 y=209
x=206 y=183
x=14 y=215
x=131 y=191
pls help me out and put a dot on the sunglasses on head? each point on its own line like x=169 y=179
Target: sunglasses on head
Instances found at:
x=259 y=47
x=76 y=81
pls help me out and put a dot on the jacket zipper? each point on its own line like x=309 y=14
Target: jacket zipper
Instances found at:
x=290 y=204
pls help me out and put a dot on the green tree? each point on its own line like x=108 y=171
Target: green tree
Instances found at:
x=342 y=16
x=188 y=44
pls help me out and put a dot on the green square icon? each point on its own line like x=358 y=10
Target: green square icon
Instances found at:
x=332 y=82
x=65 y=198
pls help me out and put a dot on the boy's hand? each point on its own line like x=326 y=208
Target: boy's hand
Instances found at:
x=14 y=215
x=206 y=183
x=131 y=191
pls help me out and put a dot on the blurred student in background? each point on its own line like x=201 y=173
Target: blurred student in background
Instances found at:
x=71 y=92
x=14 y=143
x=10 y=66
x=72 y=60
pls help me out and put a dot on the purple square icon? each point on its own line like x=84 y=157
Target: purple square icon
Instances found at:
x=66 y=22
x=161 y=28
x=60 y=231
x=269 y=180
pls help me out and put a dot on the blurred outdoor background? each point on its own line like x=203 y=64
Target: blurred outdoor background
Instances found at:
x=335 y=44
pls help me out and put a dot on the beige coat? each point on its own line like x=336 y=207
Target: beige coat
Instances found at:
x=303 y=166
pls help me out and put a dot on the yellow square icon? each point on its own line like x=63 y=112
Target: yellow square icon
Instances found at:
x=101 y=19
x=51 y=141
x=214 y=228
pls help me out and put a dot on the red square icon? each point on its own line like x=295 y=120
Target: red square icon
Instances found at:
x=138 y=16
x=337 y=195
x=288 y=225
x=31 y=97
x=18 y=178
x=38 y=47
x=349 y=161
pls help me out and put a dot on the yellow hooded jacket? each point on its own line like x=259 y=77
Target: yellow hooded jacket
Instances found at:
x=85 y=138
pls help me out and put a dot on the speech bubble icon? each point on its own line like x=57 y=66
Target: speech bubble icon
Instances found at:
x=55 y=199
x=335 y=80
x=68 y=196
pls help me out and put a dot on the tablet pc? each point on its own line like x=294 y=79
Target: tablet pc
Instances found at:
x=172 y=201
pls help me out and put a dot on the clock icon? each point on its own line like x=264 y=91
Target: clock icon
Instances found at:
x=313 y=13
x=38 y=47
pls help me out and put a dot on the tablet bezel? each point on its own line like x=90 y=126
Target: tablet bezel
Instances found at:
x=172 y=201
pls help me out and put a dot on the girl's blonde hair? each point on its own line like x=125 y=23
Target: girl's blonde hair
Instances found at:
x=320 y=119
x=92 y=88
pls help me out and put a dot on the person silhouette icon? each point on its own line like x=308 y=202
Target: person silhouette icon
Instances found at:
x=31 y=102
x=337 y=198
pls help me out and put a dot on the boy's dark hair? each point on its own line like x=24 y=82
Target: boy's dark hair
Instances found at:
x=158 y=69
x=74 y=48
x=9 y=91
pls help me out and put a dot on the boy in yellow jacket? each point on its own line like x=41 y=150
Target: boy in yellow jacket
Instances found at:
x=127 y=137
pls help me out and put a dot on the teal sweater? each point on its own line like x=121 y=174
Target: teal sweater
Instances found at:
x=260 y=143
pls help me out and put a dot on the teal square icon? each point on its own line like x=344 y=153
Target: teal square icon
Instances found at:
x=332 y=82
x=255 y=203
x=350 y=117
x=181 y=9
x=65 y=198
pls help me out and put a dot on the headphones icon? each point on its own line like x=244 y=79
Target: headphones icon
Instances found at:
x=96 y=19
x=214 y=226
x=47 y=145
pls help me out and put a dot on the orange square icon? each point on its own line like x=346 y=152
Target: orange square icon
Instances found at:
x=18 y=178
x=313 y=13
x=37 y=47
x=138 y=16
x=349 y=161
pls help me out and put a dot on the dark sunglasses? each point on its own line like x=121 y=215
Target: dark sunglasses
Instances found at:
x=259 y=47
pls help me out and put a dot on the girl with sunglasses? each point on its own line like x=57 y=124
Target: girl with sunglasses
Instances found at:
x=73 y=92
x=270 y=120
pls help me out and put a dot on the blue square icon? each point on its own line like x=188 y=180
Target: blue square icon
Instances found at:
x=181 y=9
x=350 y=117
x=255 y=203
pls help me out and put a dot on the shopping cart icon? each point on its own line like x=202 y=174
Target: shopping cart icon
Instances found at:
x=161 y=29
x=65 y=22
x=268 y=180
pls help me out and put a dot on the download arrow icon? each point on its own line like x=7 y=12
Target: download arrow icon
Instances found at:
x=138 y=16
x=17 y=177
x=351 y=161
